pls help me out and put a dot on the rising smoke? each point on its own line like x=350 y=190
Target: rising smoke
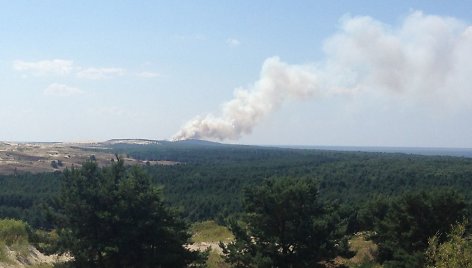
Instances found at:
x=426 y=56
x=279 y=81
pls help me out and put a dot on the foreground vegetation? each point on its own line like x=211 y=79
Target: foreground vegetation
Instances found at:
x=284 y=207
x=13 y=236
x=115 y=217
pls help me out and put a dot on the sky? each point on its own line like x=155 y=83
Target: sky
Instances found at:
x=341 y=73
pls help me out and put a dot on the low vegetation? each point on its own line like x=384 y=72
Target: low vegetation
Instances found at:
x=206 y=236
x=210 y=232
x=364 y=251
x=454 y=252
x=13 y=236
x=17 y=250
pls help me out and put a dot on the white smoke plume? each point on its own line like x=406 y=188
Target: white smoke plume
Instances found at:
x=278 y=82
x=426 y=56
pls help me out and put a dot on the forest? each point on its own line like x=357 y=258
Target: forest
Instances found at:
x=400 y=200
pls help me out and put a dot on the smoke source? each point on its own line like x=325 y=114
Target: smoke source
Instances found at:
x=425 y=56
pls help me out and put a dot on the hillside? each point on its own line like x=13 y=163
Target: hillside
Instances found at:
x=36 y=157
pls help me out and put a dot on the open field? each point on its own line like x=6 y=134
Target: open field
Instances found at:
x=37 y=157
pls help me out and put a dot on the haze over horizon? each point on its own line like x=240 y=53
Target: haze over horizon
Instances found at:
x=269 y=72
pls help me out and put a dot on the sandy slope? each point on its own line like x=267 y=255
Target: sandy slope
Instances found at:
x=37 y=157
x=32 y=257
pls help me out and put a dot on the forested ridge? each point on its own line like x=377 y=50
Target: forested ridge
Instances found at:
x=209 y=180
x=363 y=191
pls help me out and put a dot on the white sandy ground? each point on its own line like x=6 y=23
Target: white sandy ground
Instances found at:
x=202 y=246
x=34 y=257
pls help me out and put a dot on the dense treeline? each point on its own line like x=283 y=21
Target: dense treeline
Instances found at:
x=206 y=190
x=27 y=196
x=402 y=230
x=209 y=181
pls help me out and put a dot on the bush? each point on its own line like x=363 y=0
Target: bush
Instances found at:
x=13 y=232
x=54 y=164
x=456 y=252
x=44 y=241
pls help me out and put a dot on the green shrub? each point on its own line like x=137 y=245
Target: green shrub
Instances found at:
x=13 y=232
x=3 y=252
x=44 y=241
x=14 y=235
x=455 y=252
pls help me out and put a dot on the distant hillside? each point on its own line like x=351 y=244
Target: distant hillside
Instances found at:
x=198 y=143
x=130 y=141
x=39 y=157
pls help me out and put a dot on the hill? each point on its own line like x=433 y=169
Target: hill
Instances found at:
x=37 y=157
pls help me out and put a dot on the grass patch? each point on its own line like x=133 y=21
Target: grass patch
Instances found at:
x=14 y=235
x=216 y=261
x=365 y=250
x=3 y=253
x=210 y=231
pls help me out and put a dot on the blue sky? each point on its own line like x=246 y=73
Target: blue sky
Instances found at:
x=96 y=70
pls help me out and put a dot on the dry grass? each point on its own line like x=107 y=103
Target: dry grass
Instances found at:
x=215 y=260
x=210 y=232
x=365 y=250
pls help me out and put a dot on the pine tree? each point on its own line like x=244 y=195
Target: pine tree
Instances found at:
x=115 y=217
x=412 y=218
x=285 y=226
